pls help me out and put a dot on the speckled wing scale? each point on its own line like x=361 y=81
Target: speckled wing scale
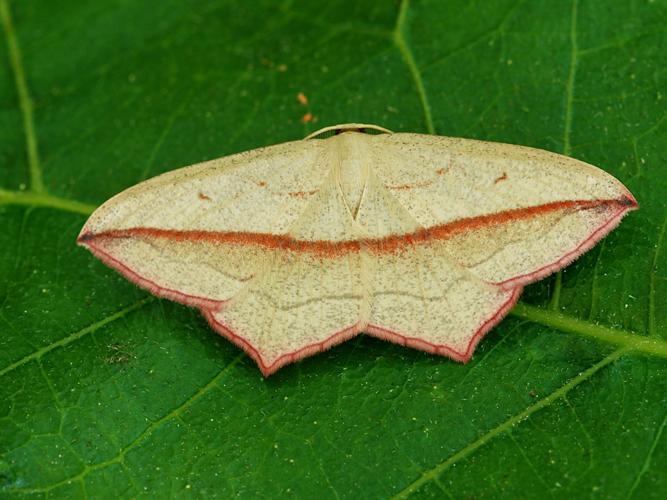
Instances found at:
x=422 y=240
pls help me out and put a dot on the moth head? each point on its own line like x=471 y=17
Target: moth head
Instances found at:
x=347 y=127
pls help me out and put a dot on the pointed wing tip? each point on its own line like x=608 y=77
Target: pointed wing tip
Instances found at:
x=628 y=200
x=84 y=238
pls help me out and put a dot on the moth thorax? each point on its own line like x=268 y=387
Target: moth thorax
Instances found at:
x=353 y=164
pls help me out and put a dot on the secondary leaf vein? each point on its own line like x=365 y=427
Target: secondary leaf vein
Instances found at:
x=25 y=102
x=567 y=129
x=649 y=455
x=36 y=355
x=433 y=473
x=408 y=58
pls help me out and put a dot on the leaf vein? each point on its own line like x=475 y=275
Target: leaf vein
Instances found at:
x=409 y=59
x=652 y=329
x=632 y=341
x=567 y=129
x=433 y=473
x=36 y=355
x=32 y=199
x=118 y=459
x=649 y=455
x=25 y=101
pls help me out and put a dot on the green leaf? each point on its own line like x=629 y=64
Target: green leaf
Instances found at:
x=107 y=392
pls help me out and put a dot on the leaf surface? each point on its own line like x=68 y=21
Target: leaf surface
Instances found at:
x=105 y=391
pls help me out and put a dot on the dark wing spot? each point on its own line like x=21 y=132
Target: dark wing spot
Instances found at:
x=501 y=178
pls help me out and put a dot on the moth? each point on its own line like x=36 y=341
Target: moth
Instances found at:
x=421 y=240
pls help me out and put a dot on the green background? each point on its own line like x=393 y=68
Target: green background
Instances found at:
x=105 y=392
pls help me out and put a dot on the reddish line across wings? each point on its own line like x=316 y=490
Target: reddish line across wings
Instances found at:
x=380 y=245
